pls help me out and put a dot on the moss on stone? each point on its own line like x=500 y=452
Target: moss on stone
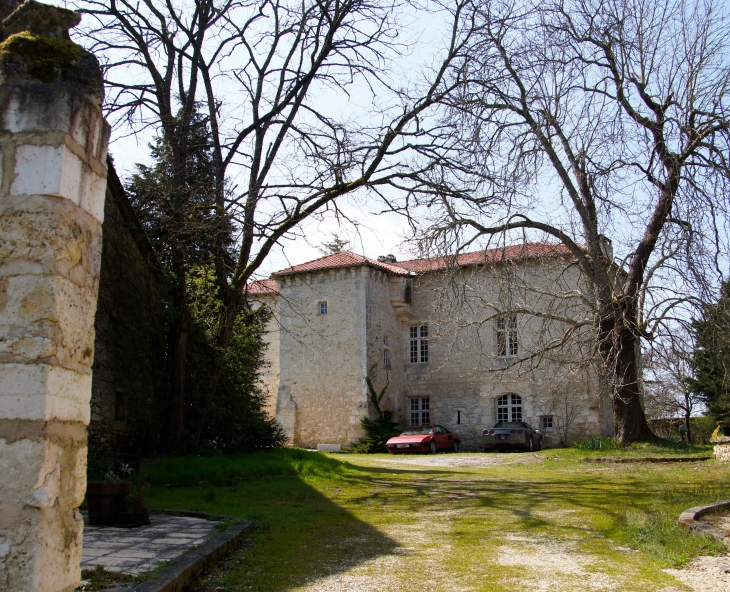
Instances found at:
x=46 y=58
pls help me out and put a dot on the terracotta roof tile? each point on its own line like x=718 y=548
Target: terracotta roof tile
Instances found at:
x=347 y=259
x=340 y=260
x=511 y=253
x=262 y=288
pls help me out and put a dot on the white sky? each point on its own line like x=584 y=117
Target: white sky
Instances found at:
x=372 y=234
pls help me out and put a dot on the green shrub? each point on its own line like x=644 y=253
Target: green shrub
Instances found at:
x=378 y=432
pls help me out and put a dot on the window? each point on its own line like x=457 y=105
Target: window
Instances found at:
x=509 y=408
x=418 y=352
x=547 y=423
x=120 y=406
x=458 y=418
x=420 y=414
x=323 y=308
x=507 y=336
x=386 y=353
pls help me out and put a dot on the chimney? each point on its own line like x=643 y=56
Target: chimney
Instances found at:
x=387 y=258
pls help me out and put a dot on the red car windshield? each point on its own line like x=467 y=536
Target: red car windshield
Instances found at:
x=417 y=432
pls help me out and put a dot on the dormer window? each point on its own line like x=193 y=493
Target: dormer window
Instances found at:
x=322 y=308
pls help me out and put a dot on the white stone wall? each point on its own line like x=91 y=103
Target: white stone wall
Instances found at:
x=270 y=373
x=382 y=325
x=319 y=363
x=52 y=184
x=323 y=359
x=465 y=374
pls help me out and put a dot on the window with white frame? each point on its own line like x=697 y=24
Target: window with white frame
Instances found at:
x=386 y=353
x=420 y=413
x=509 y=408
x=418 y=344
x=322 y=307
x=507 y=336
x=547 y=423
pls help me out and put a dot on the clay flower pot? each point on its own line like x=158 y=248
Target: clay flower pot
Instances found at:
x=106 y=501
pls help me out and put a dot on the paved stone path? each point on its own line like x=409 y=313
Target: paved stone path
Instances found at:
x=137 y=550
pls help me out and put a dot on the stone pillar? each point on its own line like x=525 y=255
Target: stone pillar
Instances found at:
x=53 y=144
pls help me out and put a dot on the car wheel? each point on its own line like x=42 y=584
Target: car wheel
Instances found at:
x=432 y=447
x=455 y=447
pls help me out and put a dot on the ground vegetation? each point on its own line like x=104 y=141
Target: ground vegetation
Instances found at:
x=372 y=522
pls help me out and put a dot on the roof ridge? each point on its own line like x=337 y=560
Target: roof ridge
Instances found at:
x=485 y=251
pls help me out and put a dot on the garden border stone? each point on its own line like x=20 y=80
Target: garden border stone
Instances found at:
x=690 y=520
x=177 y=575
x=648 y=459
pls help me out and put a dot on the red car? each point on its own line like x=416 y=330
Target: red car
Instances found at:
x=424 y=439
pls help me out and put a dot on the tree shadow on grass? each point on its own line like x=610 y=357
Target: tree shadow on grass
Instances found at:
x=299 y=536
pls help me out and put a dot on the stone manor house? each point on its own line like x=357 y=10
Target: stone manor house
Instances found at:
x=453 y=339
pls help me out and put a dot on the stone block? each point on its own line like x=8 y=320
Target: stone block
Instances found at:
x=43 y=392
x=47 y=170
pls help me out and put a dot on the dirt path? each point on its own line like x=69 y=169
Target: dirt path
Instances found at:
x=453 y=546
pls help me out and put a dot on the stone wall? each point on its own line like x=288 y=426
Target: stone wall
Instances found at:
x=383 y=327
x=53 y=144
x=323 y=363
x=319 y=363
x=465 y=376
x=270 y=371
x=129 y=358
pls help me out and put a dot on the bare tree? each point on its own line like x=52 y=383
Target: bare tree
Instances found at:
x=668 y=390
x=588 y=119
x=267 y=76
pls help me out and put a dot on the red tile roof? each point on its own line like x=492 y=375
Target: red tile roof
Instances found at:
x=414 y=266
x=262 y=288
x=340 y=260
x=511 y=253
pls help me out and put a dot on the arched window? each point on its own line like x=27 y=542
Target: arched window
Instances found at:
x=509 y=408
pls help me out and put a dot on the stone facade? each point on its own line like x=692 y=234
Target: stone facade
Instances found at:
x=318 y=362
x=129 y=356
x=53 y=144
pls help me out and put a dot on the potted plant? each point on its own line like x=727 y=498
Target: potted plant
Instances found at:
x=135 y=509
x=105 y=499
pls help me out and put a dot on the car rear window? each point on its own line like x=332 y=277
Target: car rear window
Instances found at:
x=509 y=424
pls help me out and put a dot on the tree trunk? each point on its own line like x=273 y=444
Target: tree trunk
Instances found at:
x=620 y=350
x=179 y=352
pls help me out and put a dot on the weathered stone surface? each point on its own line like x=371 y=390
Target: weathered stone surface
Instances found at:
x=52 y=183
x=722 y=450
x=318 y=363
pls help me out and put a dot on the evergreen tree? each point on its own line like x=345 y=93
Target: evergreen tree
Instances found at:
x=178 y=210
x=711 y=358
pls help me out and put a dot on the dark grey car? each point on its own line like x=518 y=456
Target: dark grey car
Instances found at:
x=511 y=434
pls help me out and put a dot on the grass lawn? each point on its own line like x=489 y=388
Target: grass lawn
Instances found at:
x=453 y=522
